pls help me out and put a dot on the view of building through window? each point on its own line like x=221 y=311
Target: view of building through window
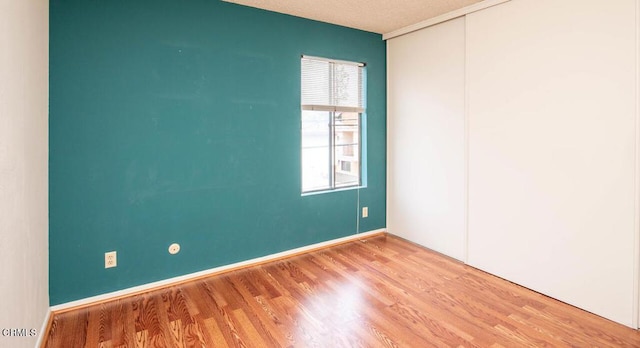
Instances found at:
x=330 y=147
x=347 y=149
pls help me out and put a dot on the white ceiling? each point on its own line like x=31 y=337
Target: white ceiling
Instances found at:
x=378 y=16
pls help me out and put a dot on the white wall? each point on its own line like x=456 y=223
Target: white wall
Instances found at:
x=24 y=36
x=551 y=99
x=425 y=130
x=551 y=105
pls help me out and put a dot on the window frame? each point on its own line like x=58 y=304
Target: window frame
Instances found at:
x=333 y=111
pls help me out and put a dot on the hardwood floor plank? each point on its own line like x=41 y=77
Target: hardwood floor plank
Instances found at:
x=380 y=292
x=213 y=336
x=256 y=314
x=249 y=331
x=106 y=322
x=142 y=339
x=93 y=327
x=123 y=324
x=433 y=329
x=77 y=324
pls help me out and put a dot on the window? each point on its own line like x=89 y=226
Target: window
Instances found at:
x=332 y=108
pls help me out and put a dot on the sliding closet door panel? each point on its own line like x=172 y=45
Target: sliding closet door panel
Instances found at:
x=426 y=197
x=551 y=107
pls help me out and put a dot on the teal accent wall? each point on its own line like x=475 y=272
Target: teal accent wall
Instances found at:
x=179 y=121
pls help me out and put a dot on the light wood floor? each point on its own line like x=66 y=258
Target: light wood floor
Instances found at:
x=380 y=292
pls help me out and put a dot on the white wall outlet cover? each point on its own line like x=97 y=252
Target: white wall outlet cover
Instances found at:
x=365 y=212
x=110 y=259
x=174 y=248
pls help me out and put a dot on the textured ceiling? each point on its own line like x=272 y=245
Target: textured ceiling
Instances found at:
x=378 y=16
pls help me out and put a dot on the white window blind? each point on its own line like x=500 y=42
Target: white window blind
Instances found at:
x=331 y=85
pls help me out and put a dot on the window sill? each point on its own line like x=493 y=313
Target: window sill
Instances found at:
x=313 y=193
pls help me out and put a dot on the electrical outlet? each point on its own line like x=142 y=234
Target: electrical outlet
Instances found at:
x=174 y=248
x=110 y=259
x=365 y=212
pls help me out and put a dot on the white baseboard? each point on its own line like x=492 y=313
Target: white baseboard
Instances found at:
x=167 y=282
x=43 y=329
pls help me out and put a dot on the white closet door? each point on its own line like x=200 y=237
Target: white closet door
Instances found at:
x=551 y=98
x=425 y=187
